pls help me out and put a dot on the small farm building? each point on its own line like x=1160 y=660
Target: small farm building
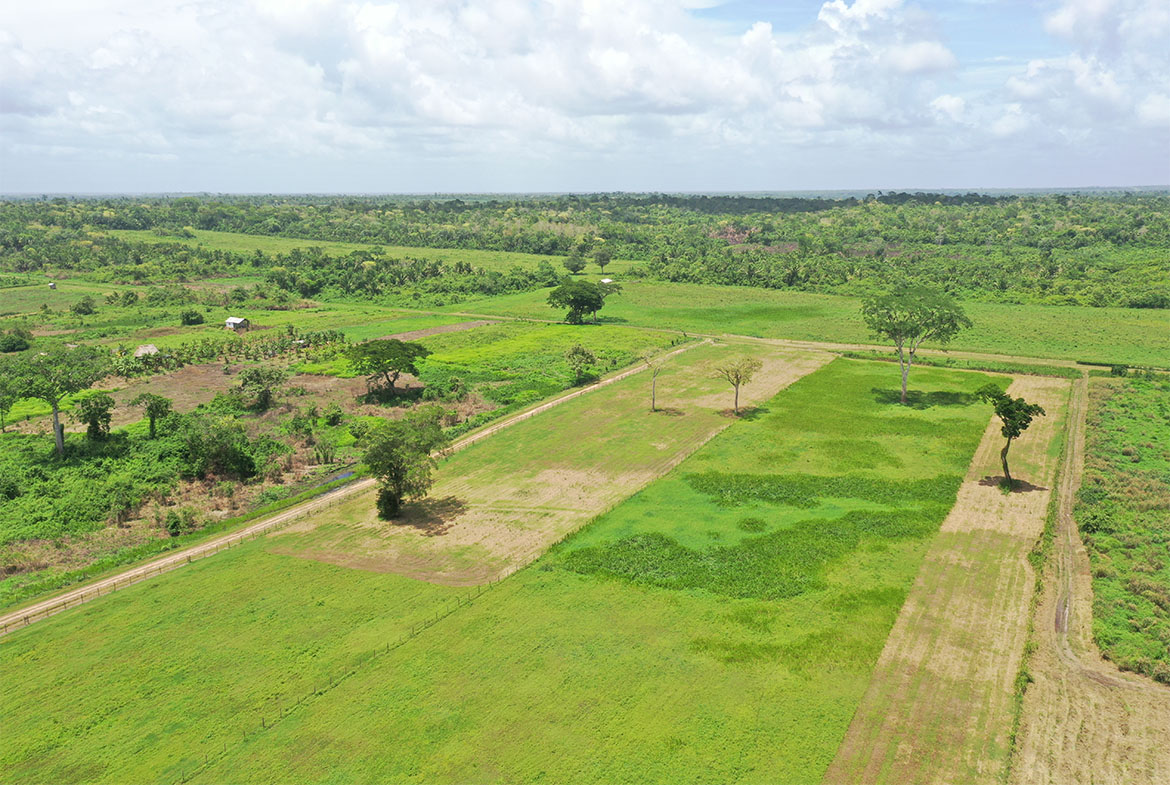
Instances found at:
x=146 y=349
x=236 y=323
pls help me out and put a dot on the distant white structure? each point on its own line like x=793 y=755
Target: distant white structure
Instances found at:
x=607 y=280
x=145 y=350
x=236 y=323
x=52 y=285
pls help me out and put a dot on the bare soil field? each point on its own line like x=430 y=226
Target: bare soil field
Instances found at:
x=412 y=335
x=496 y=509
x=939 y=705
x=1082 y=720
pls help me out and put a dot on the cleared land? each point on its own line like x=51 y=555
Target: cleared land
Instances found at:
x=1082 y=721
x=556 y=673
x=939 y=706
x=499 y=504
x=1119 y=335
x=569 y=671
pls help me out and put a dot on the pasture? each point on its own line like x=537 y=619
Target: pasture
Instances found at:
x=248 y=244
x=1108 y=335
x=571 y=669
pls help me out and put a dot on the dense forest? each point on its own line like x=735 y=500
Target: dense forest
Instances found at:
x=1098 y=250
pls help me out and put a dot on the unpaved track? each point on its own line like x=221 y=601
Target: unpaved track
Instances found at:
x=1083 y=721
x=939 y=705
x=27 y=615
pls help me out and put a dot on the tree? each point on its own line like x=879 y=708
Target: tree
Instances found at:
x=51 y=375
x=95 y=410
x=13 y=342
x=191 y=316
x=155 y=407
x=911 y=316
x=1015 y=414
x=574 y=262
x=400 y=456
x=387 y=359
x=263 y=381
x=84 y=307
x=602 y=257
x=738 y=373
x=581 y=297
x=655 y=369
x=579 y=359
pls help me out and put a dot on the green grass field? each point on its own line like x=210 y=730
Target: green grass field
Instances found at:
x=1108 y=335
x=1123 y=512
x=571 y=670
x=248 y=243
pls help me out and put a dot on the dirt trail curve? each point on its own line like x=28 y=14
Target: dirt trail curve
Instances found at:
x=1083 y=720
x=27 y=615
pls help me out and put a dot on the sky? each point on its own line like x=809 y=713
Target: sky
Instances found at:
x=433 y=96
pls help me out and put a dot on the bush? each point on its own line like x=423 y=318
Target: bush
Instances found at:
x=10 y=342
x=191 y=316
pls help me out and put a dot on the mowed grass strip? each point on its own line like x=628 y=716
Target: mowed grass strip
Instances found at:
x=500 y=503
x=569 y=675
x=1110 y=335
x=939 y=706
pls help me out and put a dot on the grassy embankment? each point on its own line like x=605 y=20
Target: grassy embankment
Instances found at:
x=770 y=588
x=1123 y=513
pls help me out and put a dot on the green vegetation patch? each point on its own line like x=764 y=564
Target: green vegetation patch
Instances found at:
x=1123 y=512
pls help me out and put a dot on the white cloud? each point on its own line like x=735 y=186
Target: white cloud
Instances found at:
x=510 y=80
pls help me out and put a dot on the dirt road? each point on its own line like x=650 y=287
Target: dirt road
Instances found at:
x=1083 y=721
x=42 y=610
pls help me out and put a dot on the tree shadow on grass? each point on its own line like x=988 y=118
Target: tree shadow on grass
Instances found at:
x=748 y=413
x=916 y=399
x=1018 y=486
x=431 y=517
x=668 y=411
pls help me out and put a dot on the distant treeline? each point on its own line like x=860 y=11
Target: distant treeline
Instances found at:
x=1055 y=249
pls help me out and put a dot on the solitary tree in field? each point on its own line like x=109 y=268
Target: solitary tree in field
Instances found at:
x=387 y=360
x=51 y=375
x=579 y=359
x=1016 y=415
x=574 y=262
x=738 y=373
x=655 y=368
x=910 y=316
x=154 y=406
x=400 y=456
x=95 y=409
x=602 y=257
x=262 y=381
x=580 y=297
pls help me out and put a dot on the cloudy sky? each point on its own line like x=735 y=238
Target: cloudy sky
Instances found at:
x=581 y=95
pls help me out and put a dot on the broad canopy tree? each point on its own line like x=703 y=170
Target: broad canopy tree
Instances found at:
x=1015 y=414
x=96 y=410
x=910 y=316
x=51 y=375
x=263 y=381
x=581 y=297
x=400 y=455
x=386 y=360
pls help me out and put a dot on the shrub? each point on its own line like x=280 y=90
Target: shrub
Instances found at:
x=191 y=316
